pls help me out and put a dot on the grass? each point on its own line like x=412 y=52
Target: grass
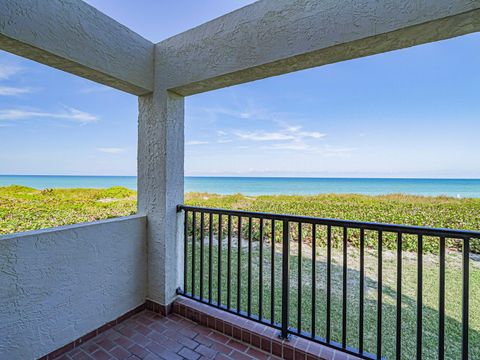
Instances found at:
x=23 y=209
x=409 y=292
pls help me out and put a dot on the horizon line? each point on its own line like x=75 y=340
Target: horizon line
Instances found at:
x=262 y=177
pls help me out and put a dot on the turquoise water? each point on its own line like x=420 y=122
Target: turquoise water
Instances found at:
x=268 y=186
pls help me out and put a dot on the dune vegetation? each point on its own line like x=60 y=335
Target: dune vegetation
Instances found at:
x=23 y=208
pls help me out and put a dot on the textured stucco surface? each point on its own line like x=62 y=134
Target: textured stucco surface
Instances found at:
x=273 y=37
x=59 y=284
x=75 y=37
x=160 y=189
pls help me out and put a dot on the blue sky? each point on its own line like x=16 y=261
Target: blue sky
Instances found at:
x=408 y=113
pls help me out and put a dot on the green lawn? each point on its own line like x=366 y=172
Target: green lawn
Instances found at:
x=23 y=209
x=409 y=284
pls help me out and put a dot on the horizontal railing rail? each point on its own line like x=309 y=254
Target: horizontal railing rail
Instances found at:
x=407 y=229
x=227 y=253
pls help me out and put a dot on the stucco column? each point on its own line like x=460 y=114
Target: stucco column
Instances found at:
x=160 y=189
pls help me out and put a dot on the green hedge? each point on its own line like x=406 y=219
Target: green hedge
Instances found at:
x=441 y=212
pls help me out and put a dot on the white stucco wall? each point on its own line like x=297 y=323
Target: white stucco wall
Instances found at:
x=59 y=284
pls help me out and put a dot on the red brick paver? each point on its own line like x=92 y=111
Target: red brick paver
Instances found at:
x=151 y=336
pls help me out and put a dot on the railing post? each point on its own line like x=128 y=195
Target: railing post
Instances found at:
x=465 y=295
x=285 y=279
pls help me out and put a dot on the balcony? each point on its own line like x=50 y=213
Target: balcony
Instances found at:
x=86 y=287
x=80 y=292
x=157 y=284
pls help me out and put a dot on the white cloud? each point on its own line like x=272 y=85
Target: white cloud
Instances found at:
x=281 y=137
x=246 y=112
x=110 y=150
x=70 y=114
x=292 y=133
x=295 y=131
x=13 y=91
x=293 y=138
x=289 y=146
x=263 y=136
x=223 y=137
x=324 y=150
x=196 y=142
x=7 y=71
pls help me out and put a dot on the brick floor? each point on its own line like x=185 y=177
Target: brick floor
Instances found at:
x=260 y=336
x=151 y=336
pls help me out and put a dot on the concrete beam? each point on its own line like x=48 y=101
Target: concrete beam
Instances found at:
x=72 y=36
x=273 y=37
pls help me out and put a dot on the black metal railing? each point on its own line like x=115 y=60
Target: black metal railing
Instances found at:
x=255 y=242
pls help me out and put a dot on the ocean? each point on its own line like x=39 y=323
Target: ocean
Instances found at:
x=253 y=186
